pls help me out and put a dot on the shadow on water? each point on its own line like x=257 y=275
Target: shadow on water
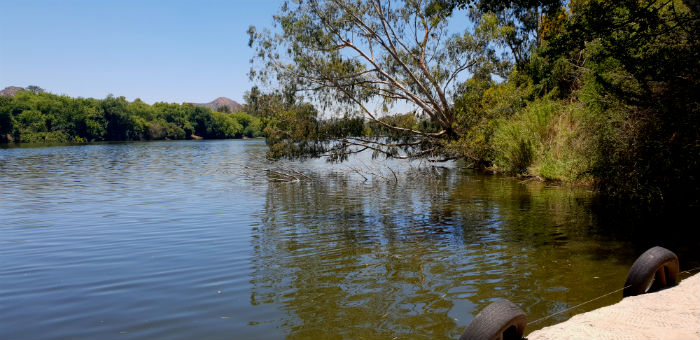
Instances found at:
x=199 y=239
x=419 y=258
x=642 y=228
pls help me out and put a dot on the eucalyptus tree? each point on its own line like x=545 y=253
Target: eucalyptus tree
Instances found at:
x=521 y=21
x=364 y=57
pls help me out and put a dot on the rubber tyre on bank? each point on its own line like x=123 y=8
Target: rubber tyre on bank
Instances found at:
x=656 y=269
x=501 y=320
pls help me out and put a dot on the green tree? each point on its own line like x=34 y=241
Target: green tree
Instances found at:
x=120 y=125
x=251 y=99
x=7 y=124
x=519 y=20
x=636 y=67
x=251 y=125
x=627 y=73
x=35 y=89
x=44 y=117
x=360 y=58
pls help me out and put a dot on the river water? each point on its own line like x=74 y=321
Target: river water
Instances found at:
x=209 y=240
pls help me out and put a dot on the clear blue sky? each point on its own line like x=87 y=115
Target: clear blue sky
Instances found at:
x=173 y=51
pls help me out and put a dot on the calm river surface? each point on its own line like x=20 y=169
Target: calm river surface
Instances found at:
x=196 y=239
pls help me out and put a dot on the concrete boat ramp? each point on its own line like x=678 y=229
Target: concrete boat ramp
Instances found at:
x=673 y=313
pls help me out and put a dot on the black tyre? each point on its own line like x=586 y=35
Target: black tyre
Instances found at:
x=501 y=320
x=656 y=269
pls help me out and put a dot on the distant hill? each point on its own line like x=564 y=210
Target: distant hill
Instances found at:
x=10 y=91
x=218 y=104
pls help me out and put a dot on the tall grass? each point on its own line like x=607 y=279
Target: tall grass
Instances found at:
x=548 y=139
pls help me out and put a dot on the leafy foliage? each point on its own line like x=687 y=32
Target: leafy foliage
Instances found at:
x=637 y=65
x=585 y=90
x=40 y=117
x=606 y=91
x=360 y=58
x=522 y=22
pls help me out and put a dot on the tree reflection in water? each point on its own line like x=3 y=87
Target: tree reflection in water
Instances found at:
x=419 y=257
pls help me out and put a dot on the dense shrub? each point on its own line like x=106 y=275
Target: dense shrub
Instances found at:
x=40 y=117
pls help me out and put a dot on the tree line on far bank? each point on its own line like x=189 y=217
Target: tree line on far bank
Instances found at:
x=35 y=116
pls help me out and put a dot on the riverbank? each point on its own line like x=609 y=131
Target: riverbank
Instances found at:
x=673 y=313
x=46 y=118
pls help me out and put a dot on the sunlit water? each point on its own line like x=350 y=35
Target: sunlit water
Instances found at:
x=198 y=239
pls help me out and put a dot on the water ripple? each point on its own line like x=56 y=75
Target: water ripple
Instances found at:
x=194 y=239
